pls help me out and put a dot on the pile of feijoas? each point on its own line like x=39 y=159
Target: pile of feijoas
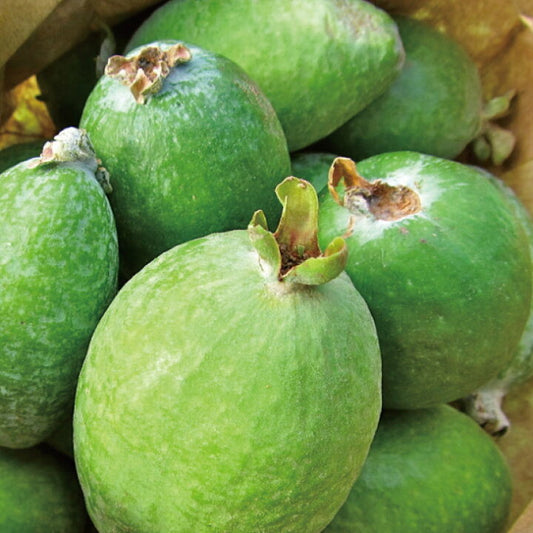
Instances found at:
x=251 y=285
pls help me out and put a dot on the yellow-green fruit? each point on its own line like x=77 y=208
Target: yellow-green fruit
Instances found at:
x=228 y=389
x=58 y=273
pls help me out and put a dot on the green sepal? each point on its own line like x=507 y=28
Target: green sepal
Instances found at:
x=292 y=253
x=297 y=232
x=319 y=270
x=265 y=245
x=494 y=142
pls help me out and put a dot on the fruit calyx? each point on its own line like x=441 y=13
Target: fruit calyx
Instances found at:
x=292 y=254
x=493 y=142
x=378 y=199
x=72 y=145
x=145 y=72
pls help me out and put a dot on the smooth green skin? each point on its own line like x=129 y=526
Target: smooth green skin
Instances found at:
x=429 y=471
x=16 y=153
x=520 y=368
x=213 y=400
x=58 y=273
x=313 y=167
x=318 y=61
x=434 y=106
x=199 y=156
x=449 y=287
x=485 y=405
x=39 y=493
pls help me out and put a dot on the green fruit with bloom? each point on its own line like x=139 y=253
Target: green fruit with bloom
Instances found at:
x=39 y=492
x=182 y=132
x=234 y=384
x=429 y=470
x=434 y=106
x=58 y=273
x=444 y=265
x=485 y=404
x=318 y=61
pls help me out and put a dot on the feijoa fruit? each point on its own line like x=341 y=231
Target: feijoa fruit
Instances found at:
x=432 y=470
x=58 y=273
x=232 y=385
x=433 y=106
x=184 y=133
x=444 y=265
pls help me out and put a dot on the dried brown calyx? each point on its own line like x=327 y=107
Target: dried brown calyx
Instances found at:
x=72 y=145
x=145 y=72
x=381 y=200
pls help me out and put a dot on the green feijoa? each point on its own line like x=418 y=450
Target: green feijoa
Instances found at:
x=444 y=265
x=486 y=404
x=434 y=106
x=232 y=385
x=183 y=132
x=312 y=167
x=58 y=271
x=318 y=61
x=429 y=470
x=39 y=492
x=16 y=153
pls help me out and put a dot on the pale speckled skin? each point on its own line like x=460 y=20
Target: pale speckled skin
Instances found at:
x=199 y=156
x=449 y=287
x=58 y=270
x=39 y=492
x=318 y=61
x=429 y=471
x=213 y=400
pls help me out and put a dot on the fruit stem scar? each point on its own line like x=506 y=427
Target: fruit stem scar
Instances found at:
x=145 y=72
x=381 y=200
